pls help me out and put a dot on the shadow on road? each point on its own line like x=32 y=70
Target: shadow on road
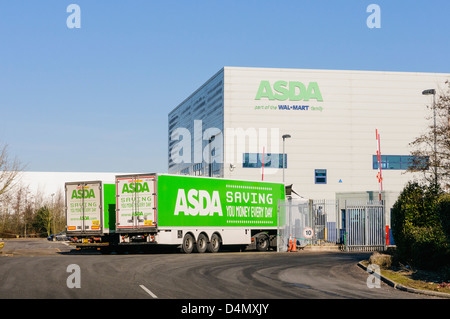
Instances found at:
x=139 y=250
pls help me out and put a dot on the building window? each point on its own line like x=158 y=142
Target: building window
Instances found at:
x=320 y=176
x=400 y=162
x=270 y=160
x=198 y=169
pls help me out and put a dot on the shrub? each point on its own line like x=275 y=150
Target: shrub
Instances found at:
x=443 y=212
x=428 y=247
x=417 y=228
x=382 y=260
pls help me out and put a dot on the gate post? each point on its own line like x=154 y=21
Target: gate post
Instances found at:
x=311 y=218
x=278 y=225
x=344 y=226
x=366 y=240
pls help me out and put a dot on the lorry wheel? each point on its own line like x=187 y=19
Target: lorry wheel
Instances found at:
x=214 y=244
x=188 y=244
x=262 y=242
x=202 y=243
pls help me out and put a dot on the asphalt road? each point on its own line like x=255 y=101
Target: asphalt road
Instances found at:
x=40 y=269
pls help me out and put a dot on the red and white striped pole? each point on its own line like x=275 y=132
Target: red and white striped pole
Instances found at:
x=262 y=170
x=380 y=179
x=379 y=175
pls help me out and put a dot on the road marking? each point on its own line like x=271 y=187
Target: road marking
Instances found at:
x=148 y=291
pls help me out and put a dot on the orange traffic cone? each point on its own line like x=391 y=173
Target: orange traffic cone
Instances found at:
x=290 y=243
x=294 y=245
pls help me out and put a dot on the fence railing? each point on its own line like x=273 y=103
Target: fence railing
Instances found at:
x=364 y=226
x=357 y=226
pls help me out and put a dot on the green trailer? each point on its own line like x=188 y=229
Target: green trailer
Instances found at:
x=90 y=213
x=196 y=213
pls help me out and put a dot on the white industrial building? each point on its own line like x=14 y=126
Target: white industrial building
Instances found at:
x=48 y=183
x=224 y=128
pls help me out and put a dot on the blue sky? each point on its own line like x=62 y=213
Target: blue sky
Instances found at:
x=97 y=98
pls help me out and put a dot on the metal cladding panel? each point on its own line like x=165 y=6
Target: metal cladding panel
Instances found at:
x=194 y=124
x=334 y=130
x=331 y=116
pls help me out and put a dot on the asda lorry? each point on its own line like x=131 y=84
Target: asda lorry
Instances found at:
x=90 y=212
x=196 y=213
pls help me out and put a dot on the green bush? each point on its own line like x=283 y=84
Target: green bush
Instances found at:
x=443 y=211
x=428 y=247
x=417 y=226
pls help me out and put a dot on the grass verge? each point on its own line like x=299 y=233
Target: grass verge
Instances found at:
x=416 y=278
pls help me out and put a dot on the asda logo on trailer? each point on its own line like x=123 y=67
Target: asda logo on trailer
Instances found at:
x=83 y=193
x=198 y=202
x=135 y=188
x=195 y=201
x=292 y=90
x=202 y=203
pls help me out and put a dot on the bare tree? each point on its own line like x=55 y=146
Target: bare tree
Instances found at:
x=431 y=150
x=9 y=170
x=58 y=211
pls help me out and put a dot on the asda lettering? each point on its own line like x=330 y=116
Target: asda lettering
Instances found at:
x=293 y=90
x=198 y=202
x=83 y=193
x=135 y=188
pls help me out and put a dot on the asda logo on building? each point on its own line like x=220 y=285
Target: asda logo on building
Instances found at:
x=292 y=90
x=135 y=188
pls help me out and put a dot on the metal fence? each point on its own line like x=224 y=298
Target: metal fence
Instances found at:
x=356 y=226
x=296 y=216
x=364 y=226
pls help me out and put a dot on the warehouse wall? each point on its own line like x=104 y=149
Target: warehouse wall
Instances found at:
x=336 y=134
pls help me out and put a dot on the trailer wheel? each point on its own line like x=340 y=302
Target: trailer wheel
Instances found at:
x=262 y=242
x=188 y=244
x=202 y=243
x=214 y=244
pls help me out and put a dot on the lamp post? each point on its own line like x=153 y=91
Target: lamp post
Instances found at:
x=211 y=139
x=285 y=136
x=54 y=217
x=433 y=92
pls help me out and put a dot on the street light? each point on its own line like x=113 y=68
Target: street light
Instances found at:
x=211 y=139
x=433 y=92
x=54 y=217
x=285 y=136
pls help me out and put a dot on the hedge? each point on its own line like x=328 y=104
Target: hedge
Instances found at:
x=420 y=226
